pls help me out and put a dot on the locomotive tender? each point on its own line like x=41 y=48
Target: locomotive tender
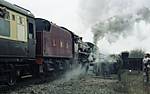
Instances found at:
x=30 y=45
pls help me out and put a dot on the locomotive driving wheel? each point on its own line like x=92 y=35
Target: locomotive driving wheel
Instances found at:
x=11 y=76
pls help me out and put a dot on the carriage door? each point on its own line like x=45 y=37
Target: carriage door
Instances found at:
x=31 y=37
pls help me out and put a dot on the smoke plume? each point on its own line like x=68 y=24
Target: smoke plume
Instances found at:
x=117 y=26
x=117 y=23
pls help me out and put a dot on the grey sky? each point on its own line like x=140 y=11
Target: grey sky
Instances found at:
x=61 y=12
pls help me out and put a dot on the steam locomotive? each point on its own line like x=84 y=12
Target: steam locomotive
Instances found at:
x=35 y=46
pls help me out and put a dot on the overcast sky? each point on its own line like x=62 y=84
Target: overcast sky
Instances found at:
x=61 y=12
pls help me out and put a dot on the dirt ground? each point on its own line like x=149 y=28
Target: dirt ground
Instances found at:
x=131 y=83
x=81 y=85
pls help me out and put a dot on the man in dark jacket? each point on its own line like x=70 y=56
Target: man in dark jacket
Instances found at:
x=119 y=67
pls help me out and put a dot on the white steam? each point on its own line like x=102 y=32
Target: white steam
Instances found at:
x=74 y=73
x=124 y=33
x=118 y=25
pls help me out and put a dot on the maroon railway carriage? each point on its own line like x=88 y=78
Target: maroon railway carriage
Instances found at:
x=54 y=45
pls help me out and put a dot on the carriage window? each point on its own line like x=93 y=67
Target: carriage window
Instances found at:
x=30 y=28
x=20 y=20
x=4 y=24
x=13 y=17
x=4 y=28
x=31 y=31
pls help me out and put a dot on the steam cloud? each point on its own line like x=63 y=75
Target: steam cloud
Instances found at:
x=118 y=23
x=117 y=26
x=75 y=73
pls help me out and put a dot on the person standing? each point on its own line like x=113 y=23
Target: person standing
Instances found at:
x=146 y=66
x=119 y=67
